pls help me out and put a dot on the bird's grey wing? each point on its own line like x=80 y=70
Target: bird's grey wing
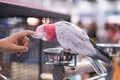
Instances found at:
x=78 y=31
x=70 y=36
x=73 y=38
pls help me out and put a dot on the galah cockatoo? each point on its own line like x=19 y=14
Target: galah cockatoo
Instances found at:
x=72 y=38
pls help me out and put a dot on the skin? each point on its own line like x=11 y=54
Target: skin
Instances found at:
x=17 y=42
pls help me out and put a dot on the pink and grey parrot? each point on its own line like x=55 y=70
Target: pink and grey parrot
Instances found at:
x=72 y=38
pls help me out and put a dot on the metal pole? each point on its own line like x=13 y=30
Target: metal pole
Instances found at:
x=40 y=59
x=58 y=72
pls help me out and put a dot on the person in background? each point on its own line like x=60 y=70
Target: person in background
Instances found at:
x=112 y=33
x=17 y=42
x=91 y=31
x=103 y=33
x=116 y=37
x=80 y=25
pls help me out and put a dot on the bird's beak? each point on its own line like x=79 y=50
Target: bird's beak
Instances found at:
x=38 y=35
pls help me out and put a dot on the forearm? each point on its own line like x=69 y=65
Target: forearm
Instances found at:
x=2 y=45
x=5 y=45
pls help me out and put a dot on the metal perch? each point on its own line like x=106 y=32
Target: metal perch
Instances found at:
x=86 y=67
x=81 y=68
x=59 y=58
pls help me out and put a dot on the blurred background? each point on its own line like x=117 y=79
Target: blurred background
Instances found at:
x=99 y=18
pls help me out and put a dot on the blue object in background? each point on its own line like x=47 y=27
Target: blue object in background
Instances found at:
x=77 y=77
x=4 y=22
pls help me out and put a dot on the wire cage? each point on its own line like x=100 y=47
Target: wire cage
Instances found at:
x=29 y=65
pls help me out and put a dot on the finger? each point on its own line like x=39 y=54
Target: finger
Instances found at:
x=26 y=44
x=25 y=41
x=18 y=53
x=20 y=48
x=27 y=32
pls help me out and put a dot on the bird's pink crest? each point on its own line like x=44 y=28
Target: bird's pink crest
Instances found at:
x=50 y=31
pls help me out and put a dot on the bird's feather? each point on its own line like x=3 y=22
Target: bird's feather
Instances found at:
x=105 y=56
x=69 y=36
x=72 y=37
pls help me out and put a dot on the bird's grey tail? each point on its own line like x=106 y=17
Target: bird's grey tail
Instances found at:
x=97 y=66
x=102 y=55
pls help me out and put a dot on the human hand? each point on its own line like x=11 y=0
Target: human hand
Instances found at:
x=17 y=42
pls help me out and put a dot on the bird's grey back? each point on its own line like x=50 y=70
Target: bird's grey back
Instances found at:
x=73 y=37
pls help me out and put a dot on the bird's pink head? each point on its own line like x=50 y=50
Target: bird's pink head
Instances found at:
x=46 y=32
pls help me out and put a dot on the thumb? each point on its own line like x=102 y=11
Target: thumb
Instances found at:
x=21 y=48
